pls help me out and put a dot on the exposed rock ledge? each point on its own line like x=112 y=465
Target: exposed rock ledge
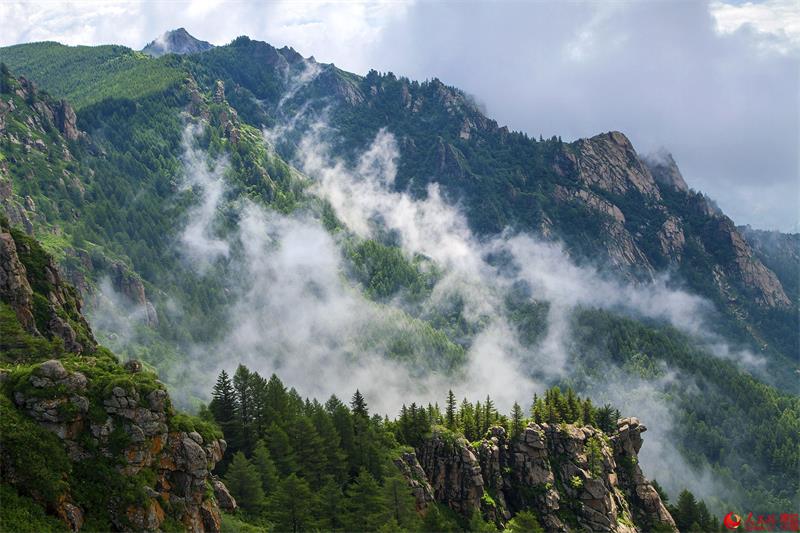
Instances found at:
x=574 y=478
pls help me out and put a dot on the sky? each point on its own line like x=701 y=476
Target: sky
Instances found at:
x=714 y=83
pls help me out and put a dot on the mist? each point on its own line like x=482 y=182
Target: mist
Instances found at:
x=296 y=313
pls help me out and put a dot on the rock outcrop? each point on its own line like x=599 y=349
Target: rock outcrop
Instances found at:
x=574 y=478
x=176 y=42
x=130 y=426
x=114 y=418
x=42 y=302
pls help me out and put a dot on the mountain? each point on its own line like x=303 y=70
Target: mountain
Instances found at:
x=176 y=42
x=98 y=445
x=184 y=195
x=90 y=441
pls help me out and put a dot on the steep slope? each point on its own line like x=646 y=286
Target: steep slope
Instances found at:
x=176 y=42
x=93 y=442
x=608 y=204
x=597 y=194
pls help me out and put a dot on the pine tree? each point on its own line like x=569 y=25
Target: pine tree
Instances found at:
x=401 y=504
x=573 y=407
x=686 y=512
x=594 y=455
x=479 y=431
x=450 y=412
x=358 y=405
x=309 y=450
x=331 y=506
x=365 y=503
x=223 y=408
x=244 y=483
x=289 y=507
x=490 y=414
x=265 y=467
x=281 y=451
x=517 y=424
x=335 y=458
x=244 y=411
x=466 y=416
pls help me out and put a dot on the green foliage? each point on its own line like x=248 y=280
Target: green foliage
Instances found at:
x=691 y=515
x=21 y=514
x=32 y=456
x=709 y=415
x=244 y=483
x=384 y=270
x=188 y=423
x=85 y=75
x=524 y=521
x=17 y=345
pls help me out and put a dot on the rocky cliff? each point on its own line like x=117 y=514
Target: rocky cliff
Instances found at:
x=574 y=478
x=94 y=442
x=40 y=139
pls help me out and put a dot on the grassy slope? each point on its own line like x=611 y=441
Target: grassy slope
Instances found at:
x=85 y=75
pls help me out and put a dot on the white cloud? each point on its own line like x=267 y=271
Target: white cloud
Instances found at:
x=776 y=21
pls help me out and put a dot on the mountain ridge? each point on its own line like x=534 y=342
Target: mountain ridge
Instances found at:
x=596 y=195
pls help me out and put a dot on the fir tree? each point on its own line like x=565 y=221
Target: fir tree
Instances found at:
x=365 y=503
x=358 y=405
x=517 y=423
x=265 y=467
x=244 y=412
x=244 y=483
x=450 y=412
x=223 y=406
x=289 y=507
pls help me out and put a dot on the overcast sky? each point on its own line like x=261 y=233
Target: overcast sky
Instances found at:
x=715 y=83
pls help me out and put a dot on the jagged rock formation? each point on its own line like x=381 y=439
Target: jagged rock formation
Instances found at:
x=106 y=414
x=31 y=284
x=176 y=42
x=38 y=126
x=574 y=478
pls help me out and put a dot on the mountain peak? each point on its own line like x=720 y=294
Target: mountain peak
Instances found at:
x=177 y=41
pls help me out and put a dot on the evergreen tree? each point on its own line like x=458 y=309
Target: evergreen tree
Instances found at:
x=265 y=467
x=686 y=512
x=517 y=423
x=281 y=451
x=289 y=507
x=331 y=504
x=309 y=450
x=401 y=503
x=450 y=411
x=365 y=503
x=489 y=416
x=223 y=407
x=594 y=455
x=358 y=405
x=466 y=416
x=244 y=483
x=242 y=381
x=607 y=418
